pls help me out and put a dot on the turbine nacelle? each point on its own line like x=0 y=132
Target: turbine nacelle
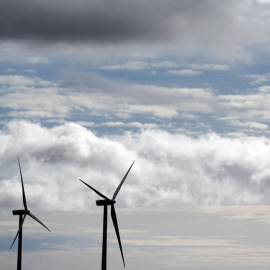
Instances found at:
x=20 y=212
x=105 y=202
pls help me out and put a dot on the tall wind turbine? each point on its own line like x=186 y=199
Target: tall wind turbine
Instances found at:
x=105 y=203
x=22 y=215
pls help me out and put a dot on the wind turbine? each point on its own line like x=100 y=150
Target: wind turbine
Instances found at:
x=105 y=203
x=22 y=215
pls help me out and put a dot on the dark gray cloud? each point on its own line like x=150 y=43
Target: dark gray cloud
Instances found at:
x=115 y=21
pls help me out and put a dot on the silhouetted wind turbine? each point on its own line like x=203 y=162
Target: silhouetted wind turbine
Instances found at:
x=105 y=203
x=22 y=215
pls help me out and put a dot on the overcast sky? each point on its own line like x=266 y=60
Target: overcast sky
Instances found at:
x=180 y=86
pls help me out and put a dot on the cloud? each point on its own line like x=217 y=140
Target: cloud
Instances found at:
x=131 y=124
x=32 y=97
x=184 y=72
x=210 y=67
x=163 y=64
x=251 y=101
x=19 y=82
x=252 y=107
x=264 y=88
x=225 y=31
x=140 y=65
x=263 y=1
x=38 y=60
x=100 y=21
x=131 y=65
x=170 y=169
x=110 y=102
x=117 y=124
x=259 y=79
x=153 y=73
x=150 y=99
x=86 y=20
x=198 y=68
x=253 y=125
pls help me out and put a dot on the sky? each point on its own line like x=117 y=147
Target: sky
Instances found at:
x=181 y=87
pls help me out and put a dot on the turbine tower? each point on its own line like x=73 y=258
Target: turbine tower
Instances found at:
x=22 y=215
x=105 y=204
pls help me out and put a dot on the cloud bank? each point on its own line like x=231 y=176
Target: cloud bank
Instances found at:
x=97 y=101
x=170 y=169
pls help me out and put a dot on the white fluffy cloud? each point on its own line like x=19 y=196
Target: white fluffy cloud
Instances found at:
x=169 y=169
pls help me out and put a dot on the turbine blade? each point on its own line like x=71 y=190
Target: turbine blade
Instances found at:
x=23 y=193
x=100 y=194
x=18 y=230
x=36 y=219
x=114 y=219
x=120 y=185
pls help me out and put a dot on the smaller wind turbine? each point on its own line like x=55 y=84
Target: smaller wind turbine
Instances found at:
x=22 y=215
x=105 y=203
